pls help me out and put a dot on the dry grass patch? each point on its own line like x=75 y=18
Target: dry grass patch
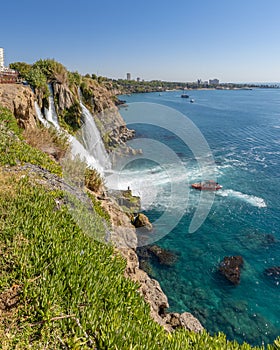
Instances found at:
x=47 y=141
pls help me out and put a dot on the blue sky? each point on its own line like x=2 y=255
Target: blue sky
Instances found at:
x=178 y=40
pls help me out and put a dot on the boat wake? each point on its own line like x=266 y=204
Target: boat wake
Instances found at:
x=253 y=200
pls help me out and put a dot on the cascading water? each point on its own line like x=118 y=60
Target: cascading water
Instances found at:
x=41 y=116
x=87 y=143
x=50 y=113
x=92 y=139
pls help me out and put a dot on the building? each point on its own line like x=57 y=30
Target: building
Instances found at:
x=7 y=75
x=214 y=82
x=128 y=76
x=1 y=58
x=138 y=79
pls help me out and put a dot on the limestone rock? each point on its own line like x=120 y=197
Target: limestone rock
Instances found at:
x=63 y=96
x=184 y=320
x=142 y=221
x=19 y=100
x=230 y=267
x=149 y=288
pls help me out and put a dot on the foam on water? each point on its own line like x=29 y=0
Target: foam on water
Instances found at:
x=253 y=200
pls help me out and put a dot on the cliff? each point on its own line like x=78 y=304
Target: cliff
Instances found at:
x=20 y=100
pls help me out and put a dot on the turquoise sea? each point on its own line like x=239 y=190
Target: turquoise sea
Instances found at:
x=242 y=129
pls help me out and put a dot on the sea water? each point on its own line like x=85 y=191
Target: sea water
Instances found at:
x=242 y=129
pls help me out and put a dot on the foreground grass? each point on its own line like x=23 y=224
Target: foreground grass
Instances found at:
x=70 y=289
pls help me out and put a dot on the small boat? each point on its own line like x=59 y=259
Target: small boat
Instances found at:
x=185 y=96
x=208 y=185
x=191 y=100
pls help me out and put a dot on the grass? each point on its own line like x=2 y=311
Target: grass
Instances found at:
x=47 y=140
x=14 y=150
x=72 y=292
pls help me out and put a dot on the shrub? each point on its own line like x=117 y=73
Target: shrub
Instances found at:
x=93 y=180
x=47 y=140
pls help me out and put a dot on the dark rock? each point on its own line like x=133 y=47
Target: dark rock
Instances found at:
x=141 y=220
x=230 y=267
x=154 y=252
x=164 y=256
x=119 y=102
x=269 y=239
x=274 y=273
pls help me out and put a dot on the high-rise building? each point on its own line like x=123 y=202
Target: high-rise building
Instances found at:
x=1 y=58
x=128 y=76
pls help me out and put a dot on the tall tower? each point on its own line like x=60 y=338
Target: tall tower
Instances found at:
x=128 y=76
x=1 y=58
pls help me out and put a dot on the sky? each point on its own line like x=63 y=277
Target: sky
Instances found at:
x=173 y=40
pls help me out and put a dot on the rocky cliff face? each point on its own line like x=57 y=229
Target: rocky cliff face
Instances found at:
x=20 y=100
x=102 y=103
x=63 y=96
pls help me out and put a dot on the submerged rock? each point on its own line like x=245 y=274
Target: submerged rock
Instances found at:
x=155 y=253
x=230 y=267
x=164 y=256
x=274 y=273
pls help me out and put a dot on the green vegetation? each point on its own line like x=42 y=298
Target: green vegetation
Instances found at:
x=93 y=180
x=60 y=288
x=47 y=140
x=14 y=151
x=71 y=118
x=133 y=86
x=71 y=292
x=8 y=121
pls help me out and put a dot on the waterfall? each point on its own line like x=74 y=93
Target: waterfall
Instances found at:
x=92 y=139
x=41 y=116
x=87 y=143
x=50 y=114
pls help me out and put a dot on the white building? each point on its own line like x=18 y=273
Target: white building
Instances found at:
x=1 y=58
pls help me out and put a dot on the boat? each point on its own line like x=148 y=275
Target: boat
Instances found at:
x=191 y=100
x=208 y=185
x=185 y=96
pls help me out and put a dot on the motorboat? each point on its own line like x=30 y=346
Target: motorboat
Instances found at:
x=185 y=96
x=208 y=185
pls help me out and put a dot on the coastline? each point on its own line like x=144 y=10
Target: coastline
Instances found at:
x=125 y=238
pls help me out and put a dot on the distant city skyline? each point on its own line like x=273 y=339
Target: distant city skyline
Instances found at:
x=155 y=40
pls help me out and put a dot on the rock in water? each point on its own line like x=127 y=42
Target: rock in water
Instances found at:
x=164 y=256
x=230 y=267
x=141 y=221
x=274 y=273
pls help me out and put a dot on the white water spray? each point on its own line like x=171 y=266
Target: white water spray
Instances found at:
x=92 y=140
x=50 y=113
